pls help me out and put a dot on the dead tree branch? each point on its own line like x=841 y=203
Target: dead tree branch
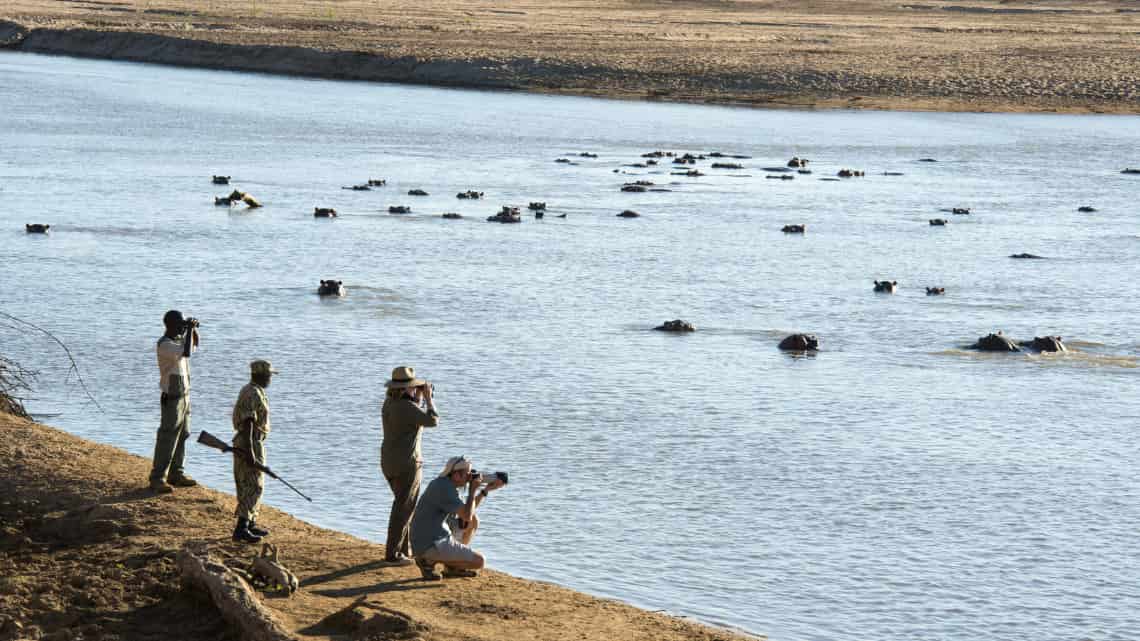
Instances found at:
x=74 y=366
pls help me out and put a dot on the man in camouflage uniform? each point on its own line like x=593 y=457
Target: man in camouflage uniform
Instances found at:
x=251 y=427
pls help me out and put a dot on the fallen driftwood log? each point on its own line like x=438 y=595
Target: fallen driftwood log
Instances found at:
x=234 y=598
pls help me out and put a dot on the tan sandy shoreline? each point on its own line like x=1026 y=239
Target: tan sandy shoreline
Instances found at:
x=87 y=552
x=968 y=55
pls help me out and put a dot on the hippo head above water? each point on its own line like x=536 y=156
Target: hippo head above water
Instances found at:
x=799 y=343
x=997 y=342
x=794 y=229
x=886 y=286
x=331 y=288
x=324 y=212
x=676 y=326
x=935 y=291
x=36 y=228
x=1047 y=344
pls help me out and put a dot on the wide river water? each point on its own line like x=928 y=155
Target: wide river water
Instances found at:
x=892 y=487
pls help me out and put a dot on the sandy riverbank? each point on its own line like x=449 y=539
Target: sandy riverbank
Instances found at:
x=87 y=553
x=971 y=55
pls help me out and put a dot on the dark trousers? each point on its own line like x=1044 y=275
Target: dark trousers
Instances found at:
x=406 y=489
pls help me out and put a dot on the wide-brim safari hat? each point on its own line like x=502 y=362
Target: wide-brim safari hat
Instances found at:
x=404 y=377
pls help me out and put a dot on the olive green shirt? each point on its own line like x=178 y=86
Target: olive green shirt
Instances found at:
x=403 y=421
x=252 y=403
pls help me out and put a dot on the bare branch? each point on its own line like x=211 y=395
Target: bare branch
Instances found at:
x=74 y=366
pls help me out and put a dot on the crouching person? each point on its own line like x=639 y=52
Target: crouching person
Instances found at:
x=251 y=427
x=432 y=541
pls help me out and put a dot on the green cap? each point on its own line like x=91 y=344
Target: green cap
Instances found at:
x=261 y=367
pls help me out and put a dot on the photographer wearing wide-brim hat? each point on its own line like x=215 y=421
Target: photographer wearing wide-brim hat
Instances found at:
x=408 y=408
x=173 y=351
x=432 y=541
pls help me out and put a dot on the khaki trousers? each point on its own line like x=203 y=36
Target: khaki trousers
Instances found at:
x=406 y=490
x=170 y=443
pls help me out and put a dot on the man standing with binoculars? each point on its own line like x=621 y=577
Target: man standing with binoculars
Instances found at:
x=173 y=349
x=408 y=408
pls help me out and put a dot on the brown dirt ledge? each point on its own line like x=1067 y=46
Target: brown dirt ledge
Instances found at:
x=86 y=553
x=960 y=55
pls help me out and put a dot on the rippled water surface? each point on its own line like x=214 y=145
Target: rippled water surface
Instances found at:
x=892 y=487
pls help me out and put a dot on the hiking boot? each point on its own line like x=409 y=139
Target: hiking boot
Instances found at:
x=242 y=533
x=181 y=481
x=427 y=569
x=160 y=487
x=257 y=531
x=456 y=573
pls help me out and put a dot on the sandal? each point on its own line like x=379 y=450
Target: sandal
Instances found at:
x=427 y=569
x=456 y=573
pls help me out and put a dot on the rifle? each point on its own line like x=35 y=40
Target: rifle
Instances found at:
x=209 y=440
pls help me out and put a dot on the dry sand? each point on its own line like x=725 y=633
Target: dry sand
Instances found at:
x=964 y=55
x=87 y=553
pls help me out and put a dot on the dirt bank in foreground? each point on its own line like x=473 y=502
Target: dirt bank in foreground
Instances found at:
x=85 y=553
x=972 y=55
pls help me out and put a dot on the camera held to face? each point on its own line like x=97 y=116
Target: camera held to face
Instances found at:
x=486 y=478
x=189 y=323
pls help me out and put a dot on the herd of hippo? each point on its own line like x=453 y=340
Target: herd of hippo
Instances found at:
x=996 y=342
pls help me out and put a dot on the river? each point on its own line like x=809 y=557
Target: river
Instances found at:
x=894 y=486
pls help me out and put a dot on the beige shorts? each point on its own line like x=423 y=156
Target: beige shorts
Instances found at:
x=449 y=551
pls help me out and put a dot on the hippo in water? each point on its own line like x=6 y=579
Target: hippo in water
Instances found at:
x=452 y=216
x=469 y=195
x=377 y=182
x=996 y=343
x=937 y=222
x=935 y=291
x=1027 y=256
x=794 y=229
x=220 y=180
x=36 y=228
x=1130 y=170
x=799 y=343
x=507 y=214
x=399 y=209
x=1086 y=209
x=676 y=326
x=960 y=211
x=363 y=187
x=1047 y=344
x=630 y=187
x=798 y=162
x=331 y=288
x=417 y=192
x=238 y=197
x=886 y=286
x=727 y=165
x=781 y=177
x=849 y=173
x=324 y=212
x=629 y=213
x=536 y=206
x=586 y=154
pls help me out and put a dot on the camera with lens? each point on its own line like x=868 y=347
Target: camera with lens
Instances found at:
x=189 y=322
x=486 y=478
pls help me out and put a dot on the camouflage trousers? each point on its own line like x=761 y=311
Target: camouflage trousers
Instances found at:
x=250 y=481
